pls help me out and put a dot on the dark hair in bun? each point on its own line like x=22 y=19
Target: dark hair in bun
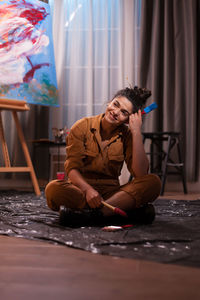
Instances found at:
x=137 y=96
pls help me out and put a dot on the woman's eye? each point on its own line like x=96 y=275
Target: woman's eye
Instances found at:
x=125 y=113
x=115 y=104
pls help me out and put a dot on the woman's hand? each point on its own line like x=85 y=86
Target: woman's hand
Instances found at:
x=93 y=198
x=135 y=122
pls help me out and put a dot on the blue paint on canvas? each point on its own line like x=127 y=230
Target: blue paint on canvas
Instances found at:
x=27 y=66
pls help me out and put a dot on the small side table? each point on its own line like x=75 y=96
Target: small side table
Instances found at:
x=46 y=143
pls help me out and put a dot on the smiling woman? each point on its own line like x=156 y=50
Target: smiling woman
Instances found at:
x=96 y=150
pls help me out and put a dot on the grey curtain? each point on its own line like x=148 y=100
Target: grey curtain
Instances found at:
x=169 y=64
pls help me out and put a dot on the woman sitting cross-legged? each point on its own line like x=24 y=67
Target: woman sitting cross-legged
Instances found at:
x=96 y=150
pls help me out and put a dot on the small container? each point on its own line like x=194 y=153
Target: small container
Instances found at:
x=60 y=175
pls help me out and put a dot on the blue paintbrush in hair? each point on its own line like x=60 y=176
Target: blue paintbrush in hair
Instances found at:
x=149 y=108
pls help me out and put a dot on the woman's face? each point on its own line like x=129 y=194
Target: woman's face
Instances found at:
x=118 y=111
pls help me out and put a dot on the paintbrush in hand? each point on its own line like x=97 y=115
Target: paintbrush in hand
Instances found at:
x=116 y=210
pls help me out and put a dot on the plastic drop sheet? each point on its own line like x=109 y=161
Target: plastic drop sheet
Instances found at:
x=173 y=238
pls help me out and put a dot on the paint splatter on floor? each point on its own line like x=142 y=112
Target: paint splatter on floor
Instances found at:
x=172 y=238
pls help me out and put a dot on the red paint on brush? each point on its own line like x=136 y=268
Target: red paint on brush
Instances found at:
x=120 y=212
x=127 y=226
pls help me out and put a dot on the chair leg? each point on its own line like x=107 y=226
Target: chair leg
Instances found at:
x=164 y=175
x=182 y=169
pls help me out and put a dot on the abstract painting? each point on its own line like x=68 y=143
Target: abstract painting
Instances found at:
x=27 y=67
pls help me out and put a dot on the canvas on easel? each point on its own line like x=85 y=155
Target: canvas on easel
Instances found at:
x=27 y=67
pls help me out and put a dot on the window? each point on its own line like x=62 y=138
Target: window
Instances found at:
x=96 y=49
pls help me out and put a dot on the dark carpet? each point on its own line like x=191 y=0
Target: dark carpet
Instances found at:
x=173 y=238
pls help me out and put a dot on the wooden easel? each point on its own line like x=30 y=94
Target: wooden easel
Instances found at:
x=14 y=106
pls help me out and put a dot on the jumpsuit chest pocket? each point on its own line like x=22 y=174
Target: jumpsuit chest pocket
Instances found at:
x=89 y=157
x=90 y=153
x=118 y=158
x=115 y=151
x=91 y=146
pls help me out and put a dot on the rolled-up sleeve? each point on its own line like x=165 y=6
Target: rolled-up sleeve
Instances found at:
x=75 y=148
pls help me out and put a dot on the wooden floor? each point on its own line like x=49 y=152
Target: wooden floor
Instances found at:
x=37 y=270
x=180 y=196
x=40 y=270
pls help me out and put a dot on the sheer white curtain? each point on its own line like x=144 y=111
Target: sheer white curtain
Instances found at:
x=96 y=50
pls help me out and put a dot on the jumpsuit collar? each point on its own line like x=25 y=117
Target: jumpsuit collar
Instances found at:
x=95 y=129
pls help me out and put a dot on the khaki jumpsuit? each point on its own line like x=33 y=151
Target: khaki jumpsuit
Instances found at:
x=100 y=165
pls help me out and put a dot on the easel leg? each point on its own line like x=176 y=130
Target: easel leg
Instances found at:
x=4 y=145
x=26 y=153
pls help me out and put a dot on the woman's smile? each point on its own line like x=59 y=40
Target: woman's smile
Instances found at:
x=113 y=116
